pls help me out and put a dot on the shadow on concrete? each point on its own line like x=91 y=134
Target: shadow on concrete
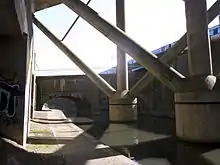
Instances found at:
x=97 y=130
x=177 y=153
x=13 y=155
x=83 y=150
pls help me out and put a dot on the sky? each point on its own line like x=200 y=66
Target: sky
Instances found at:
x=151 y=24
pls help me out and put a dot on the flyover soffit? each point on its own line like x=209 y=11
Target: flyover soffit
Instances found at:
x=44 y=4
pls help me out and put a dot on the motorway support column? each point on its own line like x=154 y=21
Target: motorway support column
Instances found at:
x=121 y=110
x=122 y=67
x=197 y=112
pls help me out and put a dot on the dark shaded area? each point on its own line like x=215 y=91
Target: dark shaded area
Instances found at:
x=67 y=105
x=49 y=140
x=71 y=106
x=97 y=129
x=160 y=125
x=176 y=152
x=13 y=155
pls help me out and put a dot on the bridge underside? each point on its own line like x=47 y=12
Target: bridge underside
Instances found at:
x=200 y=80
x=43 y=4
x=16 y=64
x=9 y=25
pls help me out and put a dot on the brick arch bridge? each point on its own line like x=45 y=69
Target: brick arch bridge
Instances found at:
x=69 y=102
x=77 y=88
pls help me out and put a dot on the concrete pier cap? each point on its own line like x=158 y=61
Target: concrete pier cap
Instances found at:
x=122 y=109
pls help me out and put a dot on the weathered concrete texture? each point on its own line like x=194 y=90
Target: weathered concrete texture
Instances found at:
x=156 y=100
x=197 y=112
x=198 y=122
x=122 y=66
x=43 y=4
x=15 y=17
x=122 y=110
x=8 y=18
x=199 y=55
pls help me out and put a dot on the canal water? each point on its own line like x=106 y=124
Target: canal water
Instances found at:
x=152 y=141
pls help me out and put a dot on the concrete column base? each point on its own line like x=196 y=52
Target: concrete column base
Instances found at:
x=122 y=110
x=197 y=116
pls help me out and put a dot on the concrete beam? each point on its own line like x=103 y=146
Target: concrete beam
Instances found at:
x=43 y=4
x=171 y=54
x=10 y=15
x=98 y=80
x=161 y=71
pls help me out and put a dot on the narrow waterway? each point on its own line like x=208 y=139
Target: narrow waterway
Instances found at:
x=152 y=141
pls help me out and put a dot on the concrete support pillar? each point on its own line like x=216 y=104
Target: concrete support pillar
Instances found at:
x=197 y=116
x=199 y=56
x=122 y=110
x=122 y=67
x=197 y=112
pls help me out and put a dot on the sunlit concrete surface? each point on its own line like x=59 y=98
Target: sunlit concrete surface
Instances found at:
x=76 y=146
x=120 y=134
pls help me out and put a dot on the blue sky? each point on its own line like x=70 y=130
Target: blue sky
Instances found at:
x=152 y=24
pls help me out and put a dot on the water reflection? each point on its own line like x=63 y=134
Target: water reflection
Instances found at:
x=152 y=142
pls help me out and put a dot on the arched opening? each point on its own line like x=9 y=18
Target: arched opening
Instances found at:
x=71 y=106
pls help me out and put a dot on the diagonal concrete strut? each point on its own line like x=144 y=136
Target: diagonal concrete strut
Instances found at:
x=98 y=80
x=160 y=70
x=171 y=54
